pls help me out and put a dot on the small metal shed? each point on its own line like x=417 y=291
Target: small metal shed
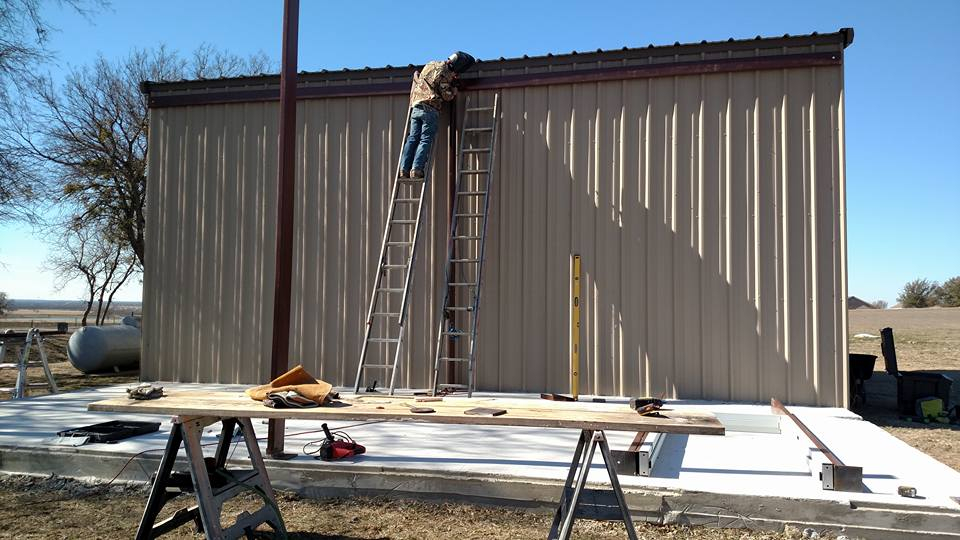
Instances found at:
x=702 y=184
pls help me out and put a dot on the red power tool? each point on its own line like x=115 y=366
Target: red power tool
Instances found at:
x=333 y=448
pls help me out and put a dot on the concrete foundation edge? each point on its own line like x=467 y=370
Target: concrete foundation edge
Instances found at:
x=663 y=506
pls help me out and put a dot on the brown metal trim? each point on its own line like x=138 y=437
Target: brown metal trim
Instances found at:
x=672 y=69
x=726 y=65
x=286 y=175
x=638 y=441
x=841 y=39
x=779 y=408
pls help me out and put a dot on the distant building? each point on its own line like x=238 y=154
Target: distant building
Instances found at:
x=855 y=303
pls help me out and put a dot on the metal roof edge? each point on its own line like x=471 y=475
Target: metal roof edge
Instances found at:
x=843 y=37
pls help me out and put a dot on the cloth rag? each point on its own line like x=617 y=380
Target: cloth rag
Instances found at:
x=296 y=380
x=145 y=391
x=288 y=400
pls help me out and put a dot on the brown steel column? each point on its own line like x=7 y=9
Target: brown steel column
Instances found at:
x=285 y=187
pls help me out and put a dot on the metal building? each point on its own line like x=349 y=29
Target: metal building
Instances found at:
x=702 y=184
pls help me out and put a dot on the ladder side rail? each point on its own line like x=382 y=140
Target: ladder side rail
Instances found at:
x=451 y=243
x=483 y=242
x=383 y=253
x=21 y=389
x=46 y=367
x=411 y=259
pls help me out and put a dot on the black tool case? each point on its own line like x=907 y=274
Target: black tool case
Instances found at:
x=114 y=430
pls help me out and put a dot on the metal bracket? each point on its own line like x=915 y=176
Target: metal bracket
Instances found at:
x=641 y=457
x=841 y=477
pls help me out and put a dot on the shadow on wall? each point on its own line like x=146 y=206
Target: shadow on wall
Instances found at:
x=695 y=284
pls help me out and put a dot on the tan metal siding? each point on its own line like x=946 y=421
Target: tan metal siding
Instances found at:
x=708 y=210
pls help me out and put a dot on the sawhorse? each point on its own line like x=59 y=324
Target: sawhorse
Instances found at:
x=33 y=335
x=598 y=503
x=211 y=482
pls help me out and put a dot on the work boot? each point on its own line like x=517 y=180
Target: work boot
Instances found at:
x=403 y=174
x=416 y=173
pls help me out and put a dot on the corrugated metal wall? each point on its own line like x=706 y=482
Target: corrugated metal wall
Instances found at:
x=708 y=210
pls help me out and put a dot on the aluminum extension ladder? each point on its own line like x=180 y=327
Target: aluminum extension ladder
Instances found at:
x=33 y=335
x=389 y=303
x=460 y=311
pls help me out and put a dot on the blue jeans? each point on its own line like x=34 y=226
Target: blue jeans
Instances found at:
x=423 y=126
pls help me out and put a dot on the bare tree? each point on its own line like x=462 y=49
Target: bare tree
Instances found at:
x=24 y=36
x=87 y=138
x=4 y=303
x=880 y=304
x=97 y=258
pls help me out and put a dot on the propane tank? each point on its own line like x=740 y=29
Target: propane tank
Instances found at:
x=99 y=348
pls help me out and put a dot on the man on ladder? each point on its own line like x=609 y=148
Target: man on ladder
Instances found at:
x=432 y=86
x=389 y=301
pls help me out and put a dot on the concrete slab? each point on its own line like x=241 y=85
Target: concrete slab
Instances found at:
x=753 y=476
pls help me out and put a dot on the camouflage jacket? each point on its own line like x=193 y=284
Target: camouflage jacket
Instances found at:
x=433 y=85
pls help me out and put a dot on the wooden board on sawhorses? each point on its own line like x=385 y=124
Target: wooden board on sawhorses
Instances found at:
x=193 y=410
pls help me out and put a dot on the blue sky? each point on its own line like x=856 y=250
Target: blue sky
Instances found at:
x=902 y=90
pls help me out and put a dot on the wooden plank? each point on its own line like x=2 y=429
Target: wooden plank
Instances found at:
x=520 y=412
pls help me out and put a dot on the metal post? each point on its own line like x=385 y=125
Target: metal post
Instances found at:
x=285 y=188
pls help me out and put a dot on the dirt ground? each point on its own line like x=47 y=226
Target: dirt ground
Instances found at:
x=926 y=340
x=67 y=509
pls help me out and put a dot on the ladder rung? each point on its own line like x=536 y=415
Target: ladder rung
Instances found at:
x=453 y=359
x=411 y=180
x=383 y=340
x=404 y=221
x=399 y=243
x=457 y=333
x=471 y=193
x=469 y=215
x=475 y=109
x=407 y=200
x=479 y=129
x=387 y=366
x=456 y=308
x=391 y=266
x=32 y=363
x=467 y=237
x=475 y=150
x=476 y=171
x=385 y=314
x=462 y=284
x=465 y=261
x=389 y=290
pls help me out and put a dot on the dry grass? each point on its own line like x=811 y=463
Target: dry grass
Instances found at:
x=926 y=340
x=62 y=508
